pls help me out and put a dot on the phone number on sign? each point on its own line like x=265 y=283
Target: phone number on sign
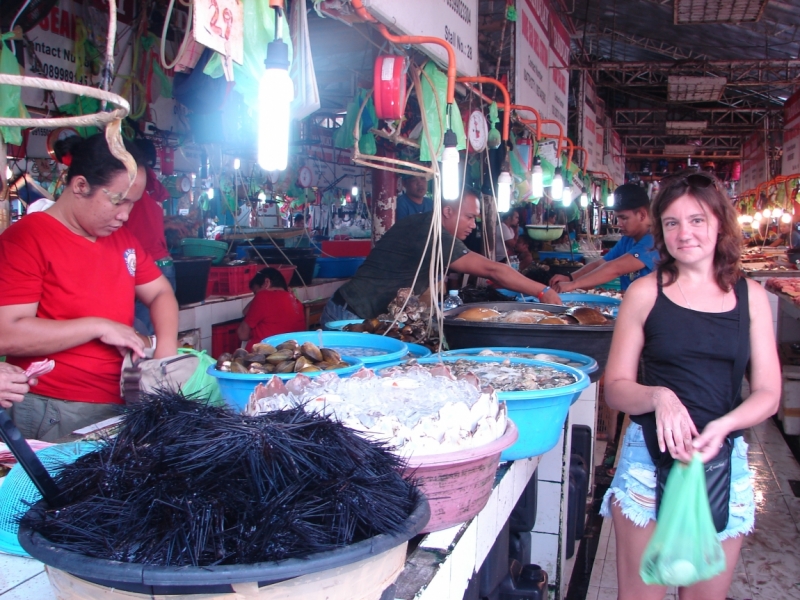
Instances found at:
x=62 y=74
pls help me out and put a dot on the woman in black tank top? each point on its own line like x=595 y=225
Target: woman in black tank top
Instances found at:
x=694 y=324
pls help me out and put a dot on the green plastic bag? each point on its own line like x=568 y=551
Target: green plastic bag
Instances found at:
x=10 y=95
x=201 y=383
x=684 y=548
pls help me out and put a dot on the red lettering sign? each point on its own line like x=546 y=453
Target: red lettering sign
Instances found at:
x=540 y=10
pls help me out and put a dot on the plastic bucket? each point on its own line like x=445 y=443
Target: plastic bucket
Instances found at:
x=237 y=387
x=339 y=325
x=458 y=484
x=371 y=349
x=538 y=414
x=417 y=351
x=165 y=581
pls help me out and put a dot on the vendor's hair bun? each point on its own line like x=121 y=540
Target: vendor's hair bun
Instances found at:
x=91 y=158
x=66 y=146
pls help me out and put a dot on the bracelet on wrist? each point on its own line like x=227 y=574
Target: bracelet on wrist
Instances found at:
x=543 y=292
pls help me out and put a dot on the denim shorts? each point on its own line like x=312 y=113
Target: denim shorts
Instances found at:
x=634 y=486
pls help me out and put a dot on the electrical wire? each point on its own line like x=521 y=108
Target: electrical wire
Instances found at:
x=19 y=12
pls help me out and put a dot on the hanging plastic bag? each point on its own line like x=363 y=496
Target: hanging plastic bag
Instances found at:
x=343 y=138
x=201 y=383
x=306 y=97
x=10 y=95
x=684 y=548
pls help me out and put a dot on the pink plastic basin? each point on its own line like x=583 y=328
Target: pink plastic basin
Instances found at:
x=458 y=484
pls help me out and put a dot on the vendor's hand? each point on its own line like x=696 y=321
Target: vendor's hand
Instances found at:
x=674 y=426
x=563 y=287
x=711 y=440
x=13 y=384
x=123 y=337
x=551 y=297
x=557 y=279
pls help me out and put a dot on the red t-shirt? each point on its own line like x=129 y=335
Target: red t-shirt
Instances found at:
x=146 y=220
x=72 y=277
x=273 y=312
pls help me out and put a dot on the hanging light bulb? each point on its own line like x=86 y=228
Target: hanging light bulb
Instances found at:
x=9 y=173
x=786 y=218
x=777 y=212
x=210 y=193
x=237 y=163
x=566 y=196
x=746 y=219
x=504 y=192
x=450 y=163
x=537 y=183
x=557 y=187
x=757 y=217
x=767 y=213
x=584 y=200
x=610 y=200
x=275 y=94
x=354 y=192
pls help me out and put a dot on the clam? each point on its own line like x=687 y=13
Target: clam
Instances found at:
x=255 y=358
x=310 y=369
x=280 y=356
x=257 y=368
x=237 y=367
x=225 y=357
x=587 y=316
x=285 y=367
x=310 y=350
x=300 y=363
x=265 y=349
x=478 y=314
x=288 y=345
x=330 y=356
x=552 y=321
x=240 y=353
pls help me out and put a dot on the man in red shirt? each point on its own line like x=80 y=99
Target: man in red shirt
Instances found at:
x=146 y=223
x=274 y=309
x=68 y=278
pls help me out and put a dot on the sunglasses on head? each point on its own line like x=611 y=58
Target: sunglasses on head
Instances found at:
x=696 y=179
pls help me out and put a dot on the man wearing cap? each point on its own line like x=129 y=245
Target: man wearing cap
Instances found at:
x=633 y=256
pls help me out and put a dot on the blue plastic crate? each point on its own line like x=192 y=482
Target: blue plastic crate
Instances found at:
x=337 y=268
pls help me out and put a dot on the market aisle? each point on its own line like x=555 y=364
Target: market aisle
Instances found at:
x=769 y=567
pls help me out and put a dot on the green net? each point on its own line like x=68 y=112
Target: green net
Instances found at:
x=684 y=548
x=10 y=95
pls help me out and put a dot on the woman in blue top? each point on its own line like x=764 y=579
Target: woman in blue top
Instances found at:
x=633 y=256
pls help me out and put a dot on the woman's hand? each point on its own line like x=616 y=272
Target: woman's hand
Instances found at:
x=712 y=439
x=674 y=426
x=13 y=384
x=123 y=337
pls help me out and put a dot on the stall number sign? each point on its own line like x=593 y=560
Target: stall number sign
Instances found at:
x=456 y=21
x=754 y=161
x=532 y=79
x=219 y=25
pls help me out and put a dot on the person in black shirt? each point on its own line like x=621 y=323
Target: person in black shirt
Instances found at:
x=393 y=263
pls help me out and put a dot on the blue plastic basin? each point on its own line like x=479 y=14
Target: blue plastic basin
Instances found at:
x=339 y=325
x=350 y=343
x=417 y=351
x=538 y=414
x=593 y=300
x=587 y=364
x=237 y=387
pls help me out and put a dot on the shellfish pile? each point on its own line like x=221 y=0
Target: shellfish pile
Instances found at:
x=578 y=315
x=412 y=321
x=505 y=376
x=288 y=357
x=528 y=355
x=416 y=412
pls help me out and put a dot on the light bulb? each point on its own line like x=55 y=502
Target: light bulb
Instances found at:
x=210 y=193
x=786 y=218
x=557 y=187
x=354 y=191
x=740 y=218
x=450 y=163
x=504 y=192
x=746 y=219
x=237 y=163
x=610 y=200
x=537 y=183
x=275 y=94
x=777 y=212
x=757 y=217
x=566 y=196
x=767 y=213
x=9 y=174
x=262 y=196
x=584 y=200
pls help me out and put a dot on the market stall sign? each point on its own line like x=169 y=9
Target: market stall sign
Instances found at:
x=615 y=159
x=791 y=135
x=588 y=127
x=531 y=76
x=559 y=70
x=754 y=161
x=219 y=25
x=455 y=21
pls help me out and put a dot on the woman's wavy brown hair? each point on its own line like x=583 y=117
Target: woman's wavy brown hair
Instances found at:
x=711 y=196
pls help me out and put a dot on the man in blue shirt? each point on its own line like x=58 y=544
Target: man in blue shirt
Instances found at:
x=633 y=256
x=413 y=201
